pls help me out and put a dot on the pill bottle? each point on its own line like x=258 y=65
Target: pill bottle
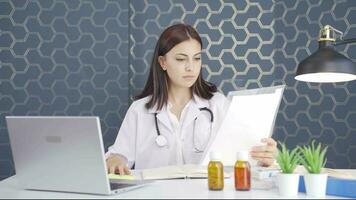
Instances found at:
x=242 y=172
x=215 y=172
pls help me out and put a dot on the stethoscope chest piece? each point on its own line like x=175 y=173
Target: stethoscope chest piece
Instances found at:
x=161 y=141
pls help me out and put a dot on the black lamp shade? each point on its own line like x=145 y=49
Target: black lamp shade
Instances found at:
x=326 y=65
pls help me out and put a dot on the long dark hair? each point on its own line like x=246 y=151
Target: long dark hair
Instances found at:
x=157 y=82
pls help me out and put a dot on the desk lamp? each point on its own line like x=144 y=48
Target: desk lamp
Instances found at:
x=327 y=65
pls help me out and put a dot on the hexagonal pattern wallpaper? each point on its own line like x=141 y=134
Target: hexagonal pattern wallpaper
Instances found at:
x=325 y=112
x=63 y=58
x=82 y=57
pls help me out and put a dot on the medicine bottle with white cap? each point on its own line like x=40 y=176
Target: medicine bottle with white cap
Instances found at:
x=215 y=172
x=242 y=172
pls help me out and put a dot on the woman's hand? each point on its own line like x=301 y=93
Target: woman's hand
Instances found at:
x=265 y=155
x=116 y=164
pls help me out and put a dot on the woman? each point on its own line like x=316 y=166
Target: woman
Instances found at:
x=173 y=119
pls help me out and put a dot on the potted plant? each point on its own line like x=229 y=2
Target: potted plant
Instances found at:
x=288 y=181
x=313 y=160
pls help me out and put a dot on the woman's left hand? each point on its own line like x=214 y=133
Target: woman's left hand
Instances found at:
x=265 y=155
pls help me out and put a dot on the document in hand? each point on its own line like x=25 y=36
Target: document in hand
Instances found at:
x=250 y=116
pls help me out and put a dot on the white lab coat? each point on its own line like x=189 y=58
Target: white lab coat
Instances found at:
x=136 y=140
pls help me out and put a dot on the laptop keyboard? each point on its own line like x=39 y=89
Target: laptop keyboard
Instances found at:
x=115 y=186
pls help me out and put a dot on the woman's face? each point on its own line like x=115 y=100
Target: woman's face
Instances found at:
x=182 y=63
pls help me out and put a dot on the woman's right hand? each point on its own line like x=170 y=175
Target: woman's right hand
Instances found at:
x=116 y=164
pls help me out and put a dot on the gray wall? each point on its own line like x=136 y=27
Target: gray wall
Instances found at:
x=90 y=57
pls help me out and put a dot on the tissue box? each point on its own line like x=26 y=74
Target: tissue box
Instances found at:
x=336 y=187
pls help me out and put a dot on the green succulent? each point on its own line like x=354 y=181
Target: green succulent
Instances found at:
x=313 y=157
x=288 y=160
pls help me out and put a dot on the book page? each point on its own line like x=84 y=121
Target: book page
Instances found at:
x=177 y=172
x=339 y=173
x=249 y=118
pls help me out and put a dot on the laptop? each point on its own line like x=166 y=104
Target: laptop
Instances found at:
x=62 y=154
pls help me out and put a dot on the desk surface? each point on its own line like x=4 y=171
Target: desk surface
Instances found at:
x=179 y=188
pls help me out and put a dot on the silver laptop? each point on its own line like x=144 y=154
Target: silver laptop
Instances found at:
x=62 y=154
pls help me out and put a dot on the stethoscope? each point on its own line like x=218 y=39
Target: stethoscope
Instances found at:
x=161 y=140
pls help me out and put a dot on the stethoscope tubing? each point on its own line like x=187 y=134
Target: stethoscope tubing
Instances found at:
x=161 y=141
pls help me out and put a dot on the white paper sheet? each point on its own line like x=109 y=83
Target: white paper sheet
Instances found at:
x=249 y=118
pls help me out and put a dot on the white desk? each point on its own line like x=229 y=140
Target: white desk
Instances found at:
x=189 y=188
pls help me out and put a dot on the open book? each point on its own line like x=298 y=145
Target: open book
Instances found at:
x=170 y=172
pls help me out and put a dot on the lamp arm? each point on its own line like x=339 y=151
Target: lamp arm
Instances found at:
x=345 y=41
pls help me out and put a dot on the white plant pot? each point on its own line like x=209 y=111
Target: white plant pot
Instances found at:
x=315 y=184
x=288 y=184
